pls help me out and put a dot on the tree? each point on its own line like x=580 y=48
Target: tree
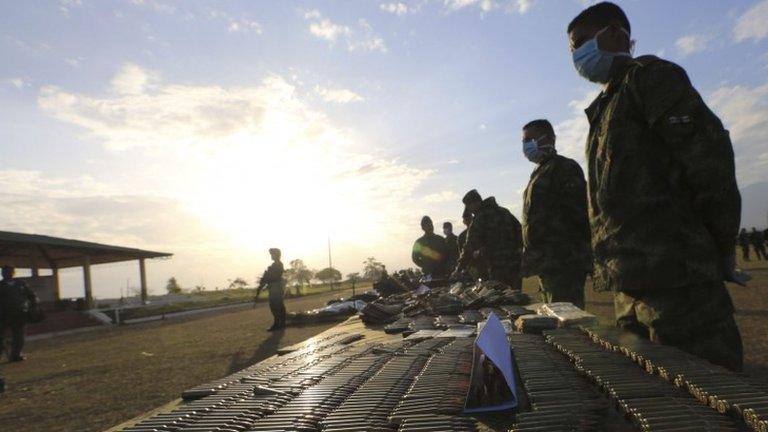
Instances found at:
x=299 y=273
x=238 y=283
x=353 y=278
x=173 y=286
x=329 y=275
x=372 y=269
x=199 y=288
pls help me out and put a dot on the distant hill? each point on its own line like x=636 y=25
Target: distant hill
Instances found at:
x=754 y=205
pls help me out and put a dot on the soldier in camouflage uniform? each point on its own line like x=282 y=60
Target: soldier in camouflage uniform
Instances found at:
x=495 y=237
x=273 y=280
x=743 y=240
x=451 y=246
x=758 y=242
x=555 y=222
x=429 y=251
x=664 y=207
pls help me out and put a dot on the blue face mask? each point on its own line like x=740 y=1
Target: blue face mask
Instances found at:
x=593 y=63
x=534 y=153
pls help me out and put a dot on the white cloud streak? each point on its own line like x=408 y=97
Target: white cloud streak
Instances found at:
x=691 y=44
x=363 y=38
x=396 y=8
x=752 y=24
x=338 y=95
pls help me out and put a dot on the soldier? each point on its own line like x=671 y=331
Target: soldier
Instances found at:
x=273 y=280
x=451 y=246
x=664 y=207
x=555 y=221
x=758 y=242
x=495 y=237
x=466 y=219
x=429 y=251
x=15 y=300
x=743 y=240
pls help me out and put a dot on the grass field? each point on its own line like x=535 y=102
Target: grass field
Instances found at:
x=90 y=382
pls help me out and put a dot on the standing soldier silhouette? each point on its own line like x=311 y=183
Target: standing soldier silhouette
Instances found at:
x=555 y=221
x=273 y=280
x=758 y=242
x=744 y=243
x=664 y=207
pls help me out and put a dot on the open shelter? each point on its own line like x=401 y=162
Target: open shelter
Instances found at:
x=44 y=252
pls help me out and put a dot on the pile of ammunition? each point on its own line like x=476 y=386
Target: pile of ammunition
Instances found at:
x=559 y=399
x=725 y=391
x=369 y=408
x=430 y=393
x=650 y=403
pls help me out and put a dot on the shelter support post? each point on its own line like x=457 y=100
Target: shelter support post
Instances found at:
x=56 y=286
x=143 y=278
x=87 y=281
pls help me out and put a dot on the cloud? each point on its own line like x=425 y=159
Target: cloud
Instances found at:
x=752 y=24
x=340 y=96
x=235 y=25
x=691 y=44
x=66 y=5
x=486 y=6
x=441 y=197
x=155 y=5
x=572 y=132
x=744 y=111
x=394 y=8
x=18 y=83
x=248 y=162
x=244 y=26
x=326 y=29
x=361 y=39
x=132 y=79
x=73 y=61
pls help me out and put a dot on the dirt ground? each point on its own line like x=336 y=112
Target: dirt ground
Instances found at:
x=93 y=381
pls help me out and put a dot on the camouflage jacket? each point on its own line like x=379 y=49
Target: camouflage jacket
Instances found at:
x=429 y=253
x=664 y=207
x=496 y=234
x=273 y=278
x=15 y=298
x=555 y=221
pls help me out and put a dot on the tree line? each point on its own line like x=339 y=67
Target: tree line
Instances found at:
x=298 y=275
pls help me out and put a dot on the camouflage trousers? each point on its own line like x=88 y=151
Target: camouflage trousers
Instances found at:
x=562 y=287
x=697 y=318
x=277 y=304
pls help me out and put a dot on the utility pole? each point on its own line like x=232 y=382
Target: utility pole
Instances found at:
x=330 y=262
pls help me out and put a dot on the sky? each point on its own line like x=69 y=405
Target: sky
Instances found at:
x=217 y=129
